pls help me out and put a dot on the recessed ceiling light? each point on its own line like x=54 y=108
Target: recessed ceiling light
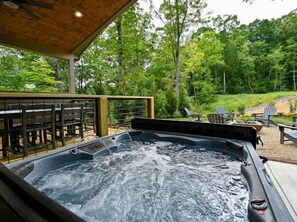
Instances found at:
x=78 y=14
x=12 y=4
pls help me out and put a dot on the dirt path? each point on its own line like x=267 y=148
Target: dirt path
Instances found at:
x=282 y=105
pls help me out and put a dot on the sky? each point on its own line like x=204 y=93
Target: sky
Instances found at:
x=247 y=13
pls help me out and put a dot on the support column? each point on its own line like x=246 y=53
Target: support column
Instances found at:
x=150 y=108
x=71 y=86
x=102 y=116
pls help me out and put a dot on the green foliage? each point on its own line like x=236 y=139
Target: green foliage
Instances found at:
x=206 y=92
x=290 y=114
x=171 y=104
x=177 y=17
x=280 y=113
x=11 y=69
x=40 y=77
x=241 y=109
x=271 y=103
x=160 y=104
x=26 y=72
x=183 y=101
x=292 y=105
x=285 y=121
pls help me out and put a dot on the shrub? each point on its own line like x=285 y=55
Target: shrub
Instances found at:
x=280 y=113
x=290 y=114
x=183 y=101
x=206 y=92
x=272 y=103
x=292 y=105
x=171 y=104
x=160 y=104
x=241 y=109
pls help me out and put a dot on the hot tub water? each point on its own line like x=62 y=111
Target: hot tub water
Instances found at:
x=160 y=181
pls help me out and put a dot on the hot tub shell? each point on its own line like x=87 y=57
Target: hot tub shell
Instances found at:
x=22 y=202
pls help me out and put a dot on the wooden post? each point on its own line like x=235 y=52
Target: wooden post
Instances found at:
x=102 y=114
x=150 y=108
x=282 y=134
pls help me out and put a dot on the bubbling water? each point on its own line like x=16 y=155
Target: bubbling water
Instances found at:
x=160 y=181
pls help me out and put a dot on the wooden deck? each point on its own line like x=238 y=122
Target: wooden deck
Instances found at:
x=285 y=179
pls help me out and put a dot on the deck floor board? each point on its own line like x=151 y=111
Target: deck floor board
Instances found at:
x=284 y=177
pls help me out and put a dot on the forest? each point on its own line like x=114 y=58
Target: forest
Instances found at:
x=185 y=62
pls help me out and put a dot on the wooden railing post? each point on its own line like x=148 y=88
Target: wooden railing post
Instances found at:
x=102 y=114
x=150 y=108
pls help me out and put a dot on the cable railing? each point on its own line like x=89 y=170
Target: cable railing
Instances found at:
x=32 y=123
x=120 y=113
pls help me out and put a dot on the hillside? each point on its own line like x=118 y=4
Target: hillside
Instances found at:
x=255 y=102
x=282 y=105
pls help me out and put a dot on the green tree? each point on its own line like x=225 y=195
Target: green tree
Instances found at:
x=11 y=68
x=122 y=55
x=24 y=71
x=202 y=57
x=247 y=66
x=277 y=68
x=291 y=59
x=177 y=17
x=40 y=77
x=160 y=104
x=229 y=35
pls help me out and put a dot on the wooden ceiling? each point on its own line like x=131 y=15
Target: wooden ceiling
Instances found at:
x=57 y=32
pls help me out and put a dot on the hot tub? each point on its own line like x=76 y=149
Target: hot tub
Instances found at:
x=184 y=172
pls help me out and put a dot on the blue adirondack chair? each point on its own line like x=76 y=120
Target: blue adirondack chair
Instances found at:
x=197 y=117
x=267 y=116
x=227 y=116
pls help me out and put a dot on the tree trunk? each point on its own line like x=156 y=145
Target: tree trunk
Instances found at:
x=224 y=81
x=57 y=72
x=275 y=82
x=58 y=76
x=120 y=48
x=249 y=83
x=177 y=73
x=294 y=78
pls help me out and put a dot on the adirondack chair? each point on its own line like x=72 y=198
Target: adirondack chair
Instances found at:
x=267 y=116
x=215 y=118
x=197 y=117
x=287 y=135
x=294 y=120
x=227 y=116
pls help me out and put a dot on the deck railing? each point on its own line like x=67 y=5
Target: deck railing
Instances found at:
x=112 y=113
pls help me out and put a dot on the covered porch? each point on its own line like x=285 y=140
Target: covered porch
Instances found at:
x=101 y=116
x=63 y=30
